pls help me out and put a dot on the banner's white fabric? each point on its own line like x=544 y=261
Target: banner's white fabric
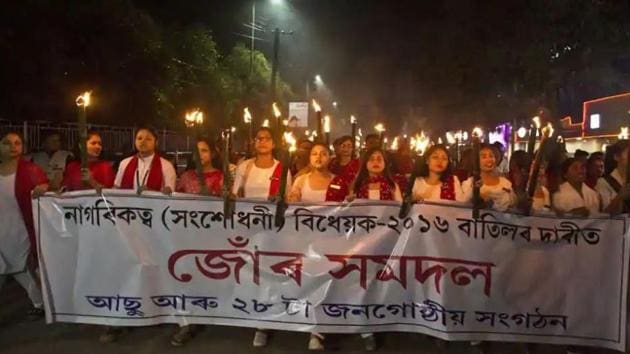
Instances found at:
x=120 y=259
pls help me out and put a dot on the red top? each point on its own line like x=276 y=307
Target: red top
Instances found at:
x=27 y=177
x=348 y=172
x=101 y=171
x=386 y=189
x=188 y=182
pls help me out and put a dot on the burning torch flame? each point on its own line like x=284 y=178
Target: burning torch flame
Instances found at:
x=477 y=132
x=623 y=135
x=420 y=142
x=536 y=121
x=247 y=117
x=327 y=124
x=440 y=141
x=276 y=110
x=266 y=123
x=450 y=138
x=194 y=117
x=289 y=139
x=547 y=131
x=84 y=99
x=379 y=127
x=353 y=120
x=395 y=144
x=233 y=129
x=316 y=106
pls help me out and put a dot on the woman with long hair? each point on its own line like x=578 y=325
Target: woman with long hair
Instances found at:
x=435 y=179
x=146 y=169
x=344 y=164
x=496 y=191
x=312 y=186
x=99 y=175
x=20 y=181
x=188 y=182
x=374 y=180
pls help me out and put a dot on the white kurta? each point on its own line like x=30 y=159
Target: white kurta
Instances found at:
x=54 y=165
x=256 y=181
x=567 y=198
x=606 y=191
x=425 y=191
x=14 y=243
x=502 y=195
x=307 y=193
x=169 y=176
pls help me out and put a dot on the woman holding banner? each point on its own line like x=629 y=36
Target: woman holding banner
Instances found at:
x=614 y=188
x=495 y=190
x=344 y=164
x=100 y=173
x=189 y=181
x=146 y=170
x=435 y=180
x=20 y=181
x=374 y=181
x=574 y=197
x=260 y=178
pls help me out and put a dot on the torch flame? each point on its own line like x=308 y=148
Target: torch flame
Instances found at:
x=84 y=99
x=276 y=110
x=247 y=117
x=316 y=106
x=536 y=121
x=623 y=135
x=266 y=123
x=420 y=142
x=379 y=127
x=547 y=131
x=395 y=144
x=194 y=117
x=327 y=124
x=353 y=120
x=451 y=138
x=289 y=139
x=477 y=132
x=233 y=129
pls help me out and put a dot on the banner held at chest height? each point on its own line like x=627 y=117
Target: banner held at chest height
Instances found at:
x=126 y=260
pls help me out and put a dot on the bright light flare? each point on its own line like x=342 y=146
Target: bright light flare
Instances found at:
x=193 y=118
x=623 y=134
x=327 y=124
x=247 y=116
x=84 y=99
x=276 y=110
x=353 y=120
x=265 y=123
x=379 y=127
x=316 y=106
x=536 y=121
x=290 y=140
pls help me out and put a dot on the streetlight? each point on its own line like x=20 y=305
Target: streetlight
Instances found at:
x=253 y=32
x=318 y=79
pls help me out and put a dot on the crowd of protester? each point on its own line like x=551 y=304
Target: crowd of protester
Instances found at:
x=578 y=184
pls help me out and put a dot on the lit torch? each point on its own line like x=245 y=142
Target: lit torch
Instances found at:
x=327 y=129
x=476 y=171
x=193 y=121
x=278 y=115
x=265 y=123
x=380 y=128
x=83 y=102
x=247 y=118
x=320 y=123
x=544 y=151
x=353 y=125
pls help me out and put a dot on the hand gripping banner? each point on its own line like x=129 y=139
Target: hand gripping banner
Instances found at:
x=124 y=260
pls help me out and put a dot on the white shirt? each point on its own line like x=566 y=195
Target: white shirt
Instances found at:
x=54 y=165
x=14 y=242
x=308 y=194
x=255 y=183
x=425 y=191
x=144 y=167
x=606 y=191
x=502 y=195
x=567 y=198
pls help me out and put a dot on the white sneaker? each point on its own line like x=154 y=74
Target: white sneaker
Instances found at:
x=260 y=339
x=315 y=343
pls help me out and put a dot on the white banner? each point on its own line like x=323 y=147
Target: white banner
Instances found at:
x=124 y=260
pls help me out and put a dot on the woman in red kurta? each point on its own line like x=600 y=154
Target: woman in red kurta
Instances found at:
x=344 y=165
x=188 y=182
x=20 y=181
x=100 y=173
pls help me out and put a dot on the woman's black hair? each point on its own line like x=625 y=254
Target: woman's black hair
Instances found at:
x=615 y=150
x=190 y=163
x=148 y=128
x=521 y=159
x=363 y=174
x=264 y=129
x=76 y=151
x=424 y=167
x=342 y=139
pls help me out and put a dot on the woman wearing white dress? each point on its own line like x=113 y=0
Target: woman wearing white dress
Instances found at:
x=613 y=187
x=574 y=197
x=20 y=181
x=312 y=187
x=259 y=177
x=495 y=190
x=435 y=180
